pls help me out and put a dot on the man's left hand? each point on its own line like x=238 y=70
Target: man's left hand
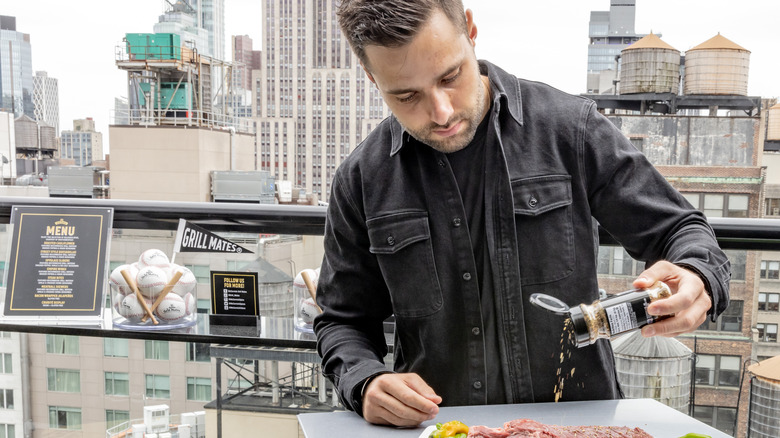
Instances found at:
x=688 y=304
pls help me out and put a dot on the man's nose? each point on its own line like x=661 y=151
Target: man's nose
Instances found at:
x=441 y=107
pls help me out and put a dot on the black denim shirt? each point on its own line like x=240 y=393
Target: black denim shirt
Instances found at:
x=395 y=244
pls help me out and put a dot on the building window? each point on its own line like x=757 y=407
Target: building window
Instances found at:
x=768 y=302
x=729 y=321
x=6 y=399
x=767 y=332
x=64 y=418
x=62 y=344
x=115 y=347
x=198 y=352
x=158 y=386
x=61 y=380
x=198 y=388
x=719 y=417
x=157 y=350
x=7 y=367
x=772 y=207
x=770 y=269
x=7 y=430
x=201 y=273
x=738 y=259
x=717 y=370
x=719 y=204
x=115 y=418
x=614 y=260
x=117 y=383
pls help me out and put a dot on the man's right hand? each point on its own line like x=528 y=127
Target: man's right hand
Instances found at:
x=399 y=400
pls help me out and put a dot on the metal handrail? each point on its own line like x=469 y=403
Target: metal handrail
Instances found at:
x=732 y=233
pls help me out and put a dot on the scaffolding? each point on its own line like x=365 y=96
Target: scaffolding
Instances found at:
x=170 y=83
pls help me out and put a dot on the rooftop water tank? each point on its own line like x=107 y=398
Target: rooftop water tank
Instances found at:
x=773 y=130
x=765 y=399
x=717 y=66
x=657 y=368
x=26 y=131
x=649 y=66
x=274 y=288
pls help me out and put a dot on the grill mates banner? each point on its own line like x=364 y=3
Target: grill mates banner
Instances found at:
x=192 y=238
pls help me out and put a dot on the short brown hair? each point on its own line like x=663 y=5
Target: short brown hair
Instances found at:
x=391 y=23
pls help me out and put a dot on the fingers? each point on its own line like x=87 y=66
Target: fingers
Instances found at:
x=682 y=322
x=688 y=305
x=399 y=400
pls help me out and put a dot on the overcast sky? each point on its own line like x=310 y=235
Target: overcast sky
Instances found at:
x=75 y=41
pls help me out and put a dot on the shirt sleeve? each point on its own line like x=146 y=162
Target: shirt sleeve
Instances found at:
x=644 y=213
x=354 y=299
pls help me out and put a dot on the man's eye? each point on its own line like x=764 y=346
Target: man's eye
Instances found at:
x=407 y=98
x=452 y=78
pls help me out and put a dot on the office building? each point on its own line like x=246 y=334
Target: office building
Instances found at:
x=16 y=76
x=245 y=59
x=46 y=100
x=315 y=102
x=609 y=32
x=83 y=144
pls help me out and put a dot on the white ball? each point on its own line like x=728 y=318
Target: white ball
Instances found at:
x=191 y=304
x=308 y=311
x=186 y=284
x=153 y=257
x=116 y=300
x=151 y=280
x=117 y=281
x=131 y=308
x=313 y=276
x=171 y=308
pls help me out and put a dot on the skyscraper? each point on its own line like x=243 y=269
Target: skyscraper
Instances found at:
x=316 y=103
x=83 y=145
x=212 y=18
x=46 y=100
x=16 y=83
x=609 y=32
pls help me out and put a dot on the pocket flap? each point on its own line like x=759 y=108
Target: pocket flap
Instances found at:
x=392 y=233
x=534 y=196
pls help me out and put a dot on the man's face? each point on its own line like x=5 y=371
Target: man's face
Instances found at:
x=432 y=85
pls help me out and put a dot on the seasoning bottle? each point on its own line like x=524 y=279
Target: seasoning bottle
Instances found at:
x=607 y=318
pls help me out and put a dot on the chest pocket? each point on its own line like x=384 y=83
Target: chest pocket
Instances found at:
x=402 y=245
x=545 y=234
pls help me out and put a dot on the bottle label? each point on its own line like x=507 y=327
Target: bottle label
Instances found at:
x=627 y=316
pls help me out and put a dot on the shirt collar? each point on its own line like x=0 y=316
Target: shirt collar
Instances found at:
x=503 y=87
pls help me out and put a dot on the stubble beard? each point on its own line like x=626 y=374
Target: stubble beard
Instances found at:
x=471 y=117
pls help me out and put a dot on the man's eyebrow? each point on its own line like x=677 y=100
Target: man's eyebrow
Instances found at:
x=442 y=76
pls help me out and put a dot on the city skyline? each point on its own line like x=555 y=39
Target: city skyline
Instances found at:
x=550 y=47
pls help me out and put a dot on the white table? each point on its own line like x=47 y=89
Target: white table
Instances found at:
x=655 y=418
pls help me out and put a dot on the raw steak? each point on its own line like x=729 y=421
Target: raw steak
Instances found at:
x=529 y=428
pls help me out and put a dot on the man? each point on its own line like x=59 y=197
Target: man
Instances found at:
x=479 y=191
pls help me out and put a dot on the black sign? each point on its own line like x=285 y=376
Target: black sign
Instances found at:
x=192 y=238
x=57 y=262
x=234 y=293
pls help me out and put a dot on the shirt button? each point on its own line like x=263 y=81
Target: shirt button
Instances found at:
x=475 y=330
x=441 y=163
x=456 y=222
x=532 y=202
x=391 y=240
x=477 y=385
x=467 y=276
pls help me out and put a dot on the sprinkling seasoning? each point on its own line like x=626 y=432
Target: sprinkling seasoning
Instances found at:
x=607 y=318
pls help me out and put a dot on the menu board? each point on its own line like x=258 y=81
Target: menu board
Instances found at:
x=234 y=293
x=57 y=261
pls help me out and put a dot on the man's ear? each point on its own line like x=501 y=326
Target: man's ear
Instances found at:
x=471 y=27
x=370 y=78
